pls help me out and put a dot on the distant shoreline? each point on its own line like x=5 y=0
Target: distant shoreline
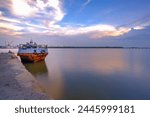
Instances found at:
x=99 y=47
x=71 y=47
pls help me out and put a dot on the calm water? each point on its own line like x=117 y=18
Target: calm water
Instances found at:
x=94 y=73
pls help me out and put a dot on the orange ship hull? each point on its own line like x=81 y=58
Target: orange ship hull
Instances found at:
x=32 y=57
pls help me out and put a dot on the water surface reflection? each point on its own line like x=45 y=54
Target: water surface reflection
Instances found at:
x=37 y=68
x=95 y=73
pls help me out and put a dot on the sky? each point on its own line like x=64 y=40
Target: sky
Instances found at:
x=76 y=22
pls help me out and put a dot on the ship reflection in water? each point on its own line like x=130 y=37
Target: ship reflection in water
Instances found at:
x=40 y=72
x=94 y=73
x=37 y=68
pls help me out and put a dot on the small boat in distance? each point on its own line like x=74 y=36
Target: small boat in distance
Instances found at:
x=31 y=52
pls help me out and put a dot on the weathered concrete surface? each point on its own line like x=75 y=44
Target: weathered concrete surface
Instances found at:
x=16 y=83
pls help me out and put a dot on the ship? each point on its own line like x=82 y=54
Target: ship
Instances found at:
x=32 y=52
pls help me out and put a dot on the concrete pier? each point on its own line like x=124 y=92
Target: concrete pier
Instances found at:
x=16 y=83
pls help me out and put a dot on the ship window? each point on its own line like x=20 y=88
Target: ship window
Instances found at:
x=42 y=51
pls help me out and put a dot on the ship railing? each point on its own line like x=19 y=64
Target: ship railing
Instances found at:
x=24 y=46
x=42 y=46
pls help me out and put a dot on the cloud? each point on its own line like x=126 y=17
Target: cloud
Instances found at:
x=5 y=3
x=22 y=8
x=138 y=27
x=43 y=17
x=49 y=11
x=84 y=4
x=87 y=2
x=138 y=24
x=6 y=19
x=94 y=31
x=30 y=14
x=10 y=26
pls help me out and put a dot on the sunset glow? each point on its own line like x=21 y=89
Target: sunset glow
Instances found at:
x=71 y=18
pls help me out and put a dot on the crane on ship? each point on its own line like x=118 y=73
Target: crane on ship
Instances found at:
x=8 y=44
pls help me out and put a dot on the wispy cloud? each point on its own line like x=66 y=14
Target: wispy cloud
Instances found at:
x=28 y=14
x=138 y=24
x=43 y=17
x=94 y=31
x=84 y=4
x=87 y=2
x=50 y=9
x=10 y=26
x=6 y=19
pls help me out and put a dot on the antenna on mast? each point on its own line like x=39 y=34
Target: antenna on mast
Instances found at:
x=31 y=41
